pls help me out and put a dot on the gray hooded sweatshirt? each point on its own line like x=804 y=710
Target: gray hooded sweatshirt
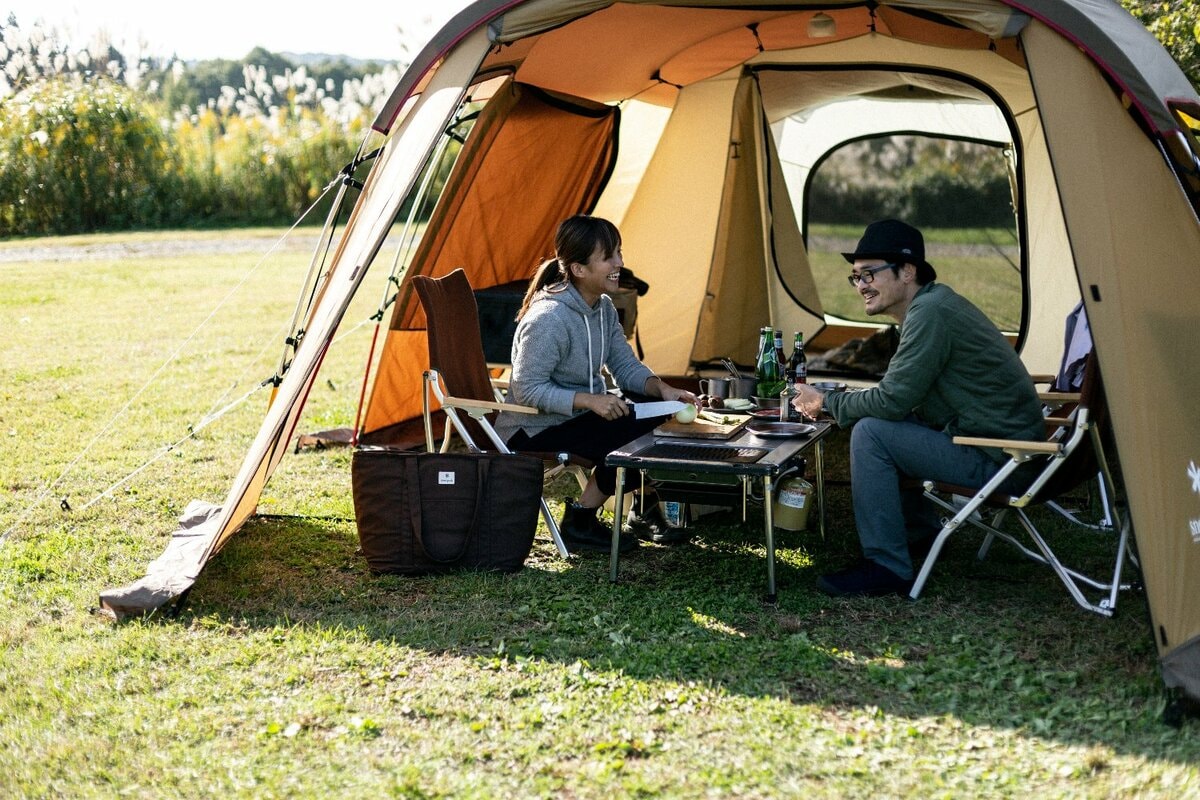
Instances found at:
x=560 y=347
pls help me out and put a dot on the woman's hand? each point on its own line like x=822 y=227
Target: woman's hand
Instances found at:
x=606 y=406
x=671 y=393
x=657 y=386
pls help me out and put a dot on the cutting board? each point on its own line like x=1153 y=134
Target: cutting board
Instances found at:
x=701 y=429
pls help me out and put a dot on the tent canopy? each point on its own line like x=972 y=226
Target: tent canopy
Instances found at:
x=690 y=123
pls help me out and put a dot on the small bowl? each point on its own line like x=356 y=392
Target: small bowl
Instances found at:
x=766 y=402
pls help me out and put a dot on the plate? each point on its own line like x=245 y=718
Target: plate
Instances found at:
x=766 y=414
x=780 y=430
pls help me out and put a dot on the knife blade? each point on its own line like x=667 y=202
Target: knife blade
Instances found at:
x=661 y=408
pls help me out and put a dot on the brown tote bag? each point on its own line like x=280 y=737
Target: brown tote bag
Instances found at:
x=424 y=513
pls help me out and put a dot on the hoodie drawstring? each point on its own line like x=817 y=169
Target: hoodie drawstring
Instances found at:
x=593 y=370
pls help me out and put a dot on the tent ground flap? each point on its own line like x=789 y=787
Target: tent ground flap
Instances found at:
x=173 y=572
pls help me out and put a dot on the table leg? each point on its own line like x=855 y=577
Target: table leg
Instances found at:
x=769 y=531
x=821 y=486
x=618 y=509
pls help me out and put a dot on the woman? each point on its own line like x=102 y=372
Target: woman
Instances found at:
x=567 y=333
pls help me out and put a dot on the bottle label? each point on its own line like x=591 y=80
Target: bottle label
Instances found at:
x=673 y=514
x=795 y=497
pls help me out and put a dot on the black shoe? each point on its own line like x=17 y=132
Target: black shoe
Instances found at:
x=652 y=527
x=581 y=530
x=866 y=578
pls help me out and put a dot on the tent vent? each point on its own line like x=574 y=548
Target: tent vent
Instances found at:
x=1095 y=292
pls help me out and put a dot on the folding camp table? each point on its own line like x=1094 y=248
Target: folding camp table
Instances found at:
x=744 y=457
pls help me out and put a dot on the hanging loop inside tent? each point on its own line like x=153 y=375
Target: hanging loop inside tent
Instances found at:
x=753 y=27
x=657 y=76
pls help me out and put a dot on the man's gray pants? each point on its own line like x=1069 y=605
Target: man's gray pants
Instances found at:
x=881 y=453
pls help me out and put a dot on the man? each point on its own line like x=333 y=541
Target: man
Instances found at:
x=953 y=374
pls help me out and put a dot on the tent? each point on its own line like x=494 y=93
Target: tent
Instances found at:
x=681 y=120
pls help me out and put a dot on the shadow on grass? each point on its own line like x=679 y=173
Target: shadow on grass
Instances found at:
x=996 y=643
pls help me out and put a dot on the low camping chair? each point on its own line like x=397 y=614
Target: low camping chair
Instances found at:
x=460 y=381
x=1070 y=454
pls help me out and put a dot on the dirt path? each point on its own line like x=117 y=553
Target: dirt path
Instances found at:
x=119 y=246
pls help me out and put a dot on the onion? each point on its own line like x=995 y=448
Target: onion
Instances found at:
x=686 y=415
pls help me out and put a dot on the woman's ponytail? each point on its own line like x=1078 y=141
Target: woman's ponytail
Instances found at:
x=550 y=272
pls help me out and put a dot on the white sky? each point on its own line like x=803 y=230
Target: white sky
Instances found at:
x=366 y=29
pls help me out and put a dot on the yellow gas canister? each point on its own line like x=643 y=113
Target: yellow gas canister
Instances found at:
x=793 y=499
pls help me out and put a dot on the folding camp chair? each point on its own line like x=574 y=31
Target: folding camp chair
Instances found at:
x=1070 y=454
x=460 y=381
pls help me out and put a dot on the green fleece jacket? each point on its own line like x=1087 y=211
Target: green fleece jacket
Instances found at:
x=955 y=371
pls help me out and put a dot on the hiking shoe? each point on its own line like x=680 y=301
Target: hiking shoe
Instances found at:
x=864 y=579
x=652 y=527
x=581 y=530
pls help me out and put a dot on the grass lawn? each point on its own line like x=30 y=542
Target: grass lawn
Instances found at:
x=292 y=672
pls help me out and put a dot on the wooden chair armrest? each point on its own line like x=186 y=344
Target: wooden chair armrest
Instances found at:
x=1059 y=397
x=1011 y=446
x=490 y=405
x=1054 y=423
x=1042 y=378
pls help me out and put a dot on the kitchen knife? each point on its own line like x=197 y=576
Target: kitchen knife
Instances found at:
x=661 y=408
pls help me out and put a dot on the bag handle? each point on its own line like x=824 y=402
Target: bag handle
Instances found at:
x=414 y=478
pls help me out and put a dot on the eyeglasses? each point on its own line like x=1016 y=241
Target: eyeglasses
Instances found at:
x=867 y=274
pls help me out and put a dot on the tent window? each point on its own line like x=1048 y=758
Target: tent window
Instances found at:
x=957 y=191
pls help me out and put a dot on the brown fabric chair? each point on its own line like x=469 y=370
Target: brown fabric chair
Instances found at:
x=460 y=381
x=1071 y=454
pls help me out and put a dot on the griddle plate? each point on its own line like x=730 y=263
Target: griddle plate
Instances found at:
x=699 y=452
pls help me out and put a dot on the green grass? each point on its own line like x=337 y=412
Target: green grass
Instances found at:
x=292 y=672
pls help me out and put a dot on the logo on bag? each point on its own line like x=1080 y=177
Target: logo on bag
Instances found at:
x=445 y=478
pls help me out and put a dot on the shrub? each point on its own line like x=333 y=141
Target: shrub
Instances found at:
x=256 y=169
x=79 y=156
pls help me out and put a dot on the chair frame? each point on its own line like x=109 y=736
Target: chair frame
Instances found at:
x=1069 y=434
x=452 y=293
x=1053 y=401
